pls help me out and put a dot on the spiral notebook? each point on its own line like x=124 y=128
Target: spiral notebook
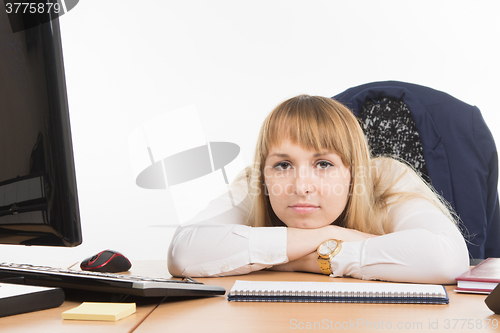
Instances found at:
x=337 y=292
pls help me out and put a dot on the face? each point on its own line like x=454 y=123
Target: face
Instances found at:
x=307 y=189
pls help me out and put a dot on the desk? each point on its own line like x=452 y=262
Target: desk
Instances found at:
x=50 y=320
x=216 y=314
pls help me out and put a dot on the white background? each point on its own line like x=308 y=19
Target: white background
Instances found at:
x=130 y=61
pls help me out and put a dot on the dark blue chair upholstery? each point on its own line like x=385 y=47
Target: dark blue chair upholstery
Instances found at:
x=459 y=153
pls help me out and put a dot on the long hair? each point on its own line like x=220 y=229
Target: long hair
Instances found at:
x=320 y=123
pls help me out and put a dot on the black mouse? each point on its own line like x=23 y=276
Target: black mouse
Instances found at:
x=106 y=261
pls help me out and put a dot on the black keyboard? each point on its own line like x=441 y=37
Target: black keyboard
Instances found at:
x=106 y=282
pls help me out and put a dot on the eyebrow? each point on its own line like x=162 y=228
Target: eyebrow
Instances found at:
x=282 y=155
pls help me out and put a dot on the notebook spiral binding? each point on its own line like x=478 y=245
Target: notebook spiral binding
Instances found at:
x=334 y=297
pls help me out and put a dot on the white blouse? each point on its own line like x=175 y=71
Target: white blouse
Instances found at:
x=424 y=246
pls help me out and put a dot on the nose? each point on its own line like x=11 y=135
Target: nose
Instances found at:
x=304 y=182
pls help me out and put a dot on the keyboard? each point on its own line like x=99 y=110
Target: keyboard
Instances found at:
x=106 y=282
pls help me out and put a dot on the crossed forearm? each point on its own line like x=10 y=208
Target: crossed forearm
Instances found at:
x=302 y=245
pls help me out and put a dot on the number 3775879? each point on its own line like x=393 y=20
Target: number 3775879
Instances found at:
x=32 y=7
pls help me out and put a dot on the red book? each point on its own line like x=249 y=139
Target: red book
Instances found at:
x=482 y=278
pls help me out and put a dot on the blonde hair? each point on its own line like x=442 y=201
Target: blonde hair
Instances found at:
x=320 y=123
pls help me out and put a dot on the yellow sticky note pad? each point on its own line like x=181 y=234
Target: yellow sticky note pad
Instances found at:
x=100 y=311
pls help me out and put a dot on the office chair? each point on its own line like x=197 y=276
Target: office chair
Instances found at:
x=448 y=143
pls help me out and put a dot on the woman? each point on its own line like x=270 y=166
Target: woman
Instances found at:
x=313 y=181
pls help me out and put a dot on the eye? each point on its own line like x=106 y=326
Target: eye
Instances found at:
x=324 y=164
x=282 y=166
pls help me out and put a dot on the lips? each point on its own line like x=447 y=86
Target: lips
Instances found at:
x=304 y=208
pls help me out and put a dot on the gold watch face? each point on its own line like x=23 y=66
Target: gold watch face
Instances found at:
x=327 y=247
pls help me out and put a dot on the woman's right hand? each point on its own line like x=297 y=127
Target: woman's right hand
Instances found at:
x=348 y=235
x=301 y=242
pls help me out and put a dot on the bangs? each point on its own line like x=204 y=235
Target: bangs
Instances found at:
x=311 y=124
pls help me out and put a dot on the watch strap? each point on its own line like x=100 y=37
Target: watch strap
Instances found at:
x=324 y=261
x=325 y=266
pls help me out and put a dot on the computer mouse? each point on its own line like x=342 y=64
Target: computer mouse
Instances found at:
x=106 y=261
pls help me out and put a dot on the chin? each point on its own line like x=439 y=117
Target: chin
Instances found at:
x=303 y=225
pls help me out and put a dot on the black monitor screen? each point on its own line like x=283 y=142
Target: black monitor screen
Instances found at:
x=38 y=194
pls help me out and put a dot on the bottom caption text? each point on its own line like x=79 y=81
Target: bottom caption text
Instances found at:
x=355 y=324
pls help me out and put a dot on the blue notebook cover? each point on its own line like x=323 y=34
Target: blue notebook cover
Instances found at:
x=337 y=292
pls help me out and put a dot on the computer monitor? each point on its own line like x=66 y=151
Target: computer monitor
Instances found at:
x=38 y=193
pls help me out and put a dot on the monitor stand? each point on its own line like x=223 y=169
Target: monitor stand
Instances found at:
x=20 y=298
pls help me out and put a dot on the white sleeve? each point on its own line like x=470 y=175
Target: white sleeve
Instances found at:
x=223 y=245
x=424 y=246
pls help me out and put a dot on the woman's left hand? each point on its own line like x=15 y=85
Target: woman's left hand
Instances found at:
x=308 y=263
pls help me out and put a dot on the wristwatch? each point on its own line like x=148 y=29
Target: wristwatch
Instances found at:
x=326 y=251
